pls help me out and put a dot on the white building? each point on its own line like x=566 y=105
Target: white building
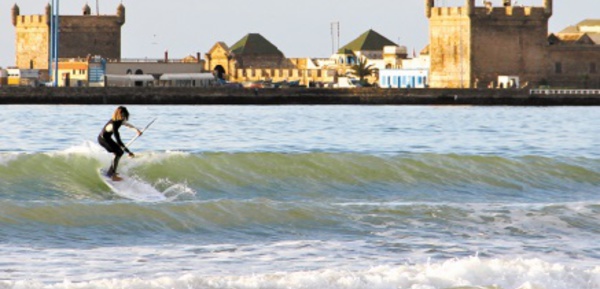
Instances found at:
x=26 y=77
x=128 y=80
x=412 y=73
x=188 y=80
x=403 y=78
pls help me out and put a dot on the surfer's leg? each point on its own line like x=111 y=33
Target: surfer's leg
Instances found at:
x=114 y=148
x=108 y=146
x=115 y=162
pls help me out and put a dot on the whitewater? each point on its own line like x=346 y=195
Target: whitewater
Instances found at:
x=344 y=197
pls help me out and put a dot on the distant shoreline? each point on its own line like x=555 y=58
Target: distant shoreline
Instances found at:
x=287 y=96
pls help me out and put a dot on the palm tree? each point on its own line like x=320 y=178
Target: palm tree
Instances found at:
x=361 y=69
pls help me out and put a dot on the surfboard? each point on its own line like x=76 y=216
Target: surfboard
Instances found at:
x=133 y=189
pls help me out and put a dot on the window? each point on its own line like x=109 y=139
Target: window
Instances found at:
x=593 y=68
x=558 y=68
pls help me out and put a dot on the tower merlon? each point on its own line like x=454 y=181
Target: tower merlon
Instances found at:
x=548 y=7
x=15 y=14
x=121 y=13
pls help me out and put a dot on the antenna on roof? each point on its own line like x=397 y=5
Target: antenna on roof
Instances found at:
x=335 y=36
x=97 y=8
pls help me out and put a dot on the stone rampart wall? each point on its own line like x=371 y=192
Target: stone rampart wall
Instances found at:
x=311 y=96
x=276 y=75
x=81 y=36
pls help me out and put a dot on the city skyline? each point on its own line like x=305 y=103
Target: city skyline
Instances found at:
x=187 y=27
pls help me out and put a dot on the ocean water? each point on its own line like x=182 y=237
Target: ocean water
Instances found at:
x=303 y=197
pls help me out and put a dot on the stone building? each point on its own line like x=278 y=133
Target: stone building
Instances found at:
x=369 y=44
x=254 y=59
x=80 y=36
x=251 y=55
x=574 y=56
x=471 y=46
x=375 y=49
x=586 y=28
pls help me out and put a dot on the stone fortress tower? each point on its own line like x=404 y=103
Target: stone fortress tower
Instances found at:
x=470 y=46
x=80 y=36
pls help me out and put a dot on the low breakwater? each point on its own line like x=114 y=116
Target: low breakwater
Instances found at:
x=285 y=96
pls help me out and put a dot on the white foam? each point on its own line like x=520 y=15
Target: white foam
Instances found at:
x=7 y=158
x=87 y=147
x=135 y=189
x=472 y=273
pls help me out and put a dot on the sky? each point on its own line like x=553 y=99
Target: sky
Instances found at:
x=298 y=28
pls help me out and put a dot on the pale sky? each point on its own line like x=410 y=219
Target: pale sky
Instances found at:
x=297 y=28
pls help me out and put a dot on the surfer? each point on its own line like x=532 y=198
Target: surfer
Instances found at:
x=119 y=117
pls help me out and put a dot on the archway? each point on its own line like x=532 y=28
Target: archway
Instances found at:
x=139 y=83
x=220 y=71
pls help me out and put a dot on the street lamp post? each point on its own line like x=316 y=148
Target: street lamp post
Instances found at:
x=54 y=31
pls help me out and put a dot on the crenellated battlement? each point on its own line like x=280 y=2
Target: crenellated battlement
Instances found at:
x=448 y=11
x=107 y=21
x=491 y=13
x=511 y=11
x=489 y=10
x=34 y=20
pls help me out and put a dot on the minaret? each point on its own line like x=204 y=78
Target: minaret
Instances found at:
x=15 y=14
x=121 y=13
x=548 y=7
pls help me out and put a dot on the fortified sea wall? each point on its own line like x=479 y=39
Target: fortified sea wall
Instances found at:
x=291 y=96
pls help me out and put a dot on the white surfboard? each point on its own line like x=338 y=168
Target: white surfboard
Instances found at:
x=133 y=189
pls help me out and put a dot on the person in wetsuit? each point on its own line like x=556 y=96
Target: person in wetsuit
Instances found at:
x=119 y=118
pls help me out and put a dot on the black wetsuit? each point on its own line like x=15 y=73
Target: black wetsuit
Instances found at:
x=105 y=140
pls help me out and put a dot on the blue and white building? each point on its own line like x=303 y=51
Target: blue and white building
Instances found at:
x=409 y=73
x=404 y=78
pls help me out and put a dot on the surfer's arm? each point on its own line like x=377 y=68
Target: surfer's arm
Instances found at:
x=131 y=126
x=118 y=137
x=120 y=142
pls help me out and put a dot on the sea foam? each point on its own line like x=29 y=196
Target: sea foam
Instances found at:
x=467 y=273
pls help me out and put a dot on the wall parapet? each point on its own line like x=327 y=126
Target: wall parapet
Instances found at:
x=511 y=11
x=448 y=11
x=492 y=12
x=31 y=20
